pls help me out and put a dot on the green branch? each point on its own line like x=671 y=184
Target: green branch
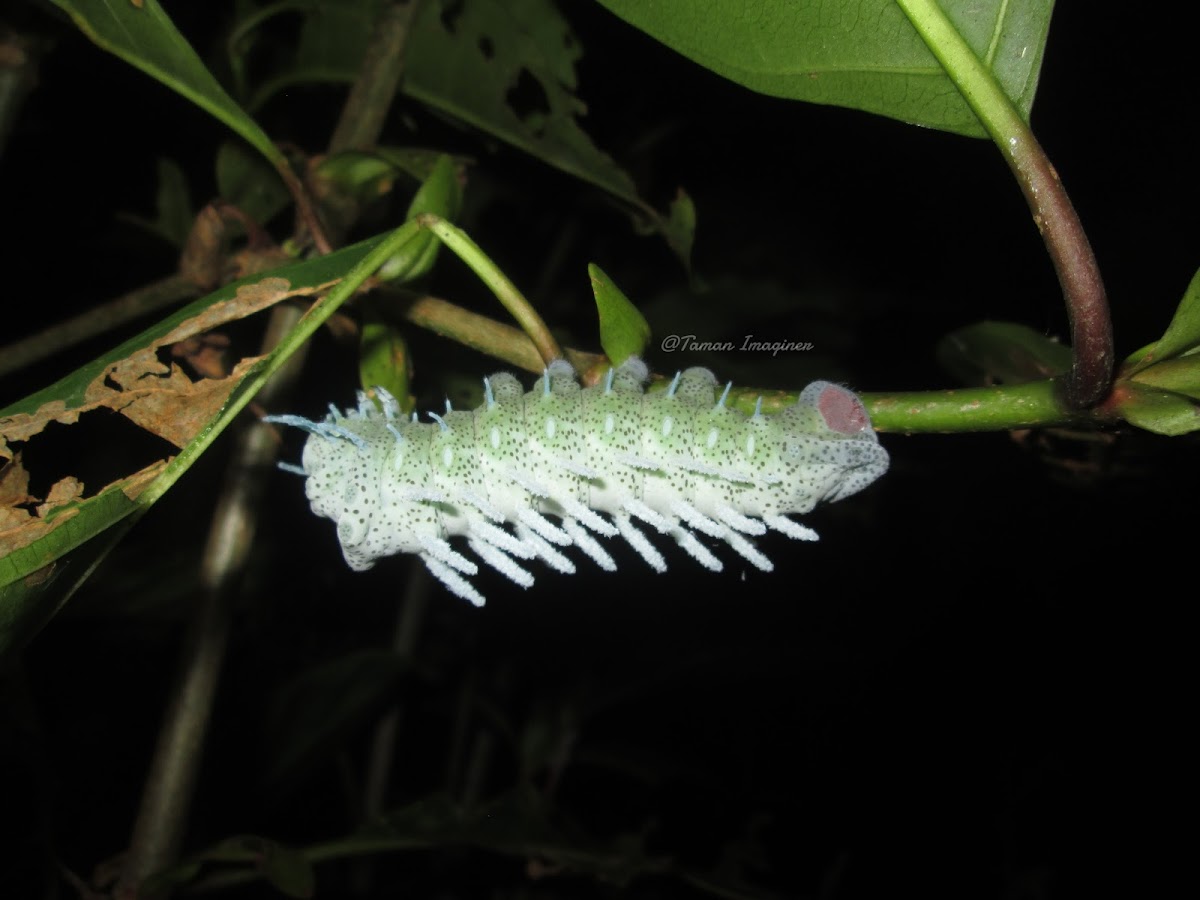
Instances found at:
x=1083 y=290
x=506 y=292
x=973 y=409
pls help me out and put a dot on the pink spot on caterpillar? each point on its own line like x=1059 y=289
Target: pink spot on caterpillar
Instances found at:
x=842 y=410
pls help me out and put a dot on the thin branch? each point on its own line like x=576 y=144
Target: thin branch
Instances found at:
x=113 y=314
x=1078 y=272
x=496 y=339
x=306 y=210
x=166 y=798
x=974 y=409
x=506 y=292
x=368 y=103
x=470 y=329
x=366 y=108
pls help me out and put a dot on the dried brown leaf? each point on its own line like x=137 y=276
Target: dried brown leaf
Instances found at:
x=17 y=531
x=61 y=493
x=14 y=483
x=161 y=398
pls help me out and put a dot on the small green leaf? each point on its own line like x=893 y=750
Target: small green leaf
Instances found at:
x=1182 y=335
x=1180 y=375
x=173 y=206
x=624 y=331
x=365 y=176
x=441 y=195
x=680 y=227
x=417 y=162
x=863 y=55
x=1134 y=359
x=383 y=359
x=143 y=36
x=249 y=183
x=357 y=174
x=1162 y=412
x=1002 y=352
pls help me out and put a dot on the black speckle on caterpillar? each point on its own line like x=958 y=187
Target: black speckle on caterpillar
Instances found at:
x=595 y=458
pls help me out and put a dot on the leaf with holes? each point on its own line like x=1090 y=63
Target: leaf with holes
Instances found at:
x=37 y=534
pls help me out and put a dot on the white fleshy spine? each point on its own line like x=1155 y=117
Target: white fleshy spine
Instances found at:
x=681 y=462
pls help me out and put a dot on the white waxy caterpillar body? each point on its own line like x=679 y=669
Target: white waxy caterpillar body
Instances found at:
x=595 y=458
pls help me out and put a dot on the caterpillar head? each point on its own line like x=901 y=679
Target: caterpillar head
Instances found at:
x=829 y=431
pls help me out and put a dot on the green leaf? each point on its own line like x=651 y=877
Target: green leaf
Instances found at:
x=417 y=162
x=333 y=37
x=1180 y=375
x=143 y=36
x=506 y=67
x=624 y=331
x=383 y=359
x=863 y=54
x=1002 y=352
x=249 y=183
x=680 y=227
x=472 y=60
x=357 y=174
x=365 y=176
x=441 y=195
x=1182 y=335
x=173 y=206
x=1162 y=412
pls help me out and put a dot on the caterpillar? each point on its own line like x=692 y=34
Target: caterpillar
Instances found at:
x=596 y=458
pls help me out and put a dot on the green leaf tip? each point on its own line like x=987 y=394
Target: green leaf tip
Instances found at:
x=1163 y=412
x=441 y=195
x=1182 y=335
x=1002 y=352
x=383 y=360
x=624 y=331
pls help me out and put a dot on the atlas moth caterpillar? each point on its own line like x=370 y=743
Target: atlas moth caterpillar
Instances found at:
x=597 y=458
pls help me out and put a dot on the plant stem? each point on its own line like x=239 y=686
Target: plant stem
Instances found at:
x=506 y=292
x=94 y=322
x=1078 y=273
x=972 y=409
x=366 y=107
x=166 y=798
x=473 y=330
x=306 y=210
